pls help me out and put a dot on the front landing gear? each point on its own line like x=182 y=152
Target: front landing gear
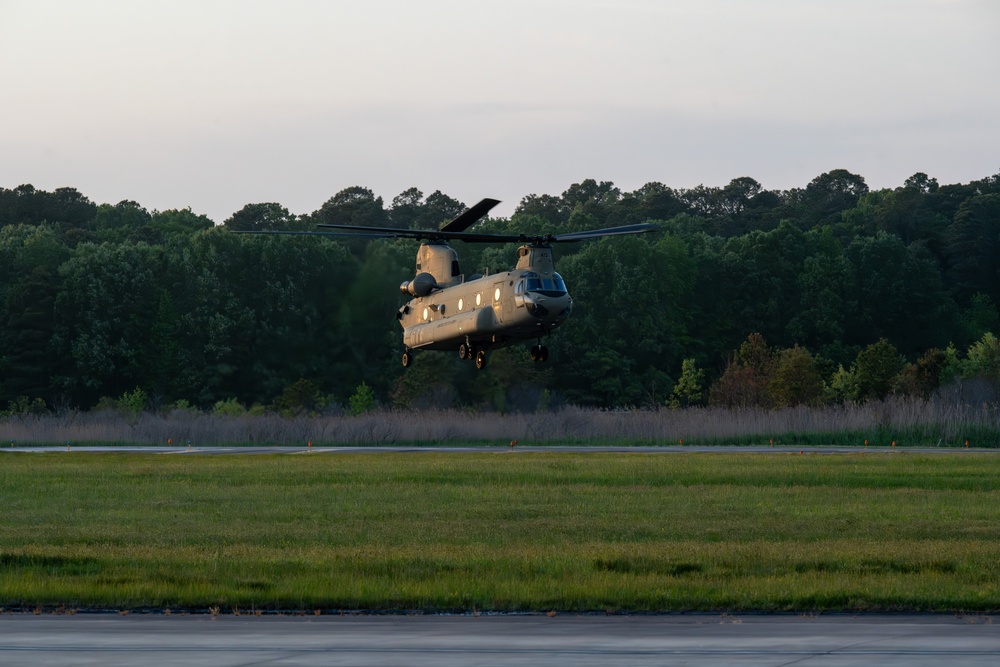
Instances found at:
x=539 y=353
x=407 y=358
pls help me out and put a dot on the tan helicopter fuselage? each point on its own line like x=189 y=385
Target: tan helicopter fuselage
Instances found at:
x=483 y=312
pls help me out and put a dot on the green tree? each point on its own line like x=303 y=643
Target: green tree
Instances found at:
x=922 y=378
x=362 y=400
x=133 y=402
x=30 y=257
x=688 y=390
x=262 y=217
x=875 y=369
x=972 y=249
x=29 y=206
x=353 y=206
x=406 y=209
x=899 y=295
x=229 y=407
x=117 y=223
x=631 y=305
x=826 y=286
x=843 y=386
x=105 y=309
x=429 y=383
x=829 y=194
x=795 y=379
x=22 y=406
x=745 y=381
x=179 y=221
x=983 y=358
x=300 y=397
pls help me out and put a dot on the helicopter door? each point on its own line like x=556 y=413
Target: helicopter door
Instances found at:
x=502 y=303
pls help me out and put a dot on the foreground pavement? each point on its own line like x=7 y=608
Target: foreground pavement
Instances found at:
x=697 y=639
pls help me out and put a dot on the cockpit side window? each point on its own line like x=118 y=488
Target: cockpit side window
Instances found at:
x=454 y=268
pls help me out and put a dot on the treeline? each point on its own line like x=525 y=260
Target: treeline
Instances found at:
x=747 y=297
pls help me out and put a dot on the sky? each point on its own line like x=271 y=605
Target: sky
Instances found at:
x=215 y=104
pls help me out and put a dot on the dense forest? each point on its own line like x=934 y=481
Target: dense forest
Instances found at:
x=828 y=293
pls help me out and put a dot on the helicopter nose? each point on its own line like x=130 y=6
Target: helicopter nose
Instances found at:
x=549 y=308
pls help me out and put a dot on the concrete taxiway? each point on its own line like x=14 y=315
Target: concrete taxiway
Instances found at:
x=417 y=449
x=772 y=640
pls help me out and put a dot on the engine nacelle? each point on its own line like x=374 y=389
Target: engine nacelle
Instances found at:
x=421 y=285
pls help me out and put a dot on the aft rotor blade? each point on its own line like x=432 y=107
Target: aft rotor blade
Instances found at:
x=469 y=218
x=608 y=231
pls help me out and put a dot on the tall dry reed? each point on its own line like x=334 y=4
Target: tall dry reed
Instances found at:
x=913 y=421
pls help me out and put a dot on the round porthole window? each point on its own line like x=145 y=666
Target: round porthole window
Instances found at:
x=460 y=304
x=496 y=295
x=425 y=313
x=479 y=299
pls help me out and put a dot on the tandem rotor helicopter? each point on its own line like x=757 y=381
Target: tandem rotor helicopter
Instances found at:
x=476 y=313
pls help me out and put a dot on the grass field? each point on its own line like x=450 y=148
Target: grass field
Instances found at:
x=605 y=532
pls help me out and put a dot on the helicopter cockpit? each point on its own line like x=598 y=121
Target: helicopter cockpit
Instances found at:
x=532 y=282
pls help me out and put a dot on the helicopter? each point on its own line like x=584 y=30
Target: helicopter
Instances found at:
x=478 y=313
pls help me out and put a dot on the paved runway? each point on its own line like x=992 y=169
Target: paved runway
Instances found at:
x=228 y=641
x=582 y=449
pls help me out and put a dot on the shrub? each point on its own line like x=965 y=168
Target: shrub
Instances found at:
x=133 y=401
x=230 y=407
x=23 y=406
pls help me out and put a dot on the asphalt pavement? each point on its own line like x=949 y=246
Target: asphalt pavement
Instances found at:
x=680 y=639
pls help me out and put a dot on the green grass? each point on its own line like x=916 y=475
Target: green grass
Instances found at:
x=501 y=531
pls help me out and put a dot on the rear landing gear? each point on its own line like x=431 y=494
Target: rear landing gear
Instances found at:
x=464 y=351
x=407 y=358
x=539 y=353
x=481 y=359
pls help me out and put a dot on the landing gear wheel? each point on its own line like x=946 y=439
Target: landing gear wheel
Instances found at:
x=535 y=353
x=464 y=352
x=481 y=359
x=407 y=358
x=543 y=353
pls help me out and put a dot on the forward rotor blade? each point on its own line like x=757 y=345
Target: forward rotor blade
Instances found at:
x=283 y=233
x=419 y=234
x=469 y=218
x=597 y=233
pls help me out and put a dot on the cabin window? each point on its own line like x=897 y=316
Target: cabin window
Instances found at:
x=496 y=295
x=460 y=304
x=425 y=314
x=479 y=299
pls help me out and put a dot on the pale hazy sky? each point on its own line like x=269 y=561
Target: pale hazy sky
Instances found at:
x=217 y=104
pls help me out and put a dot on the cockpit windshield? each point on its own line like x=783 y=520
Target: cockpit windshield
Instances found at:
x=554 y=286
